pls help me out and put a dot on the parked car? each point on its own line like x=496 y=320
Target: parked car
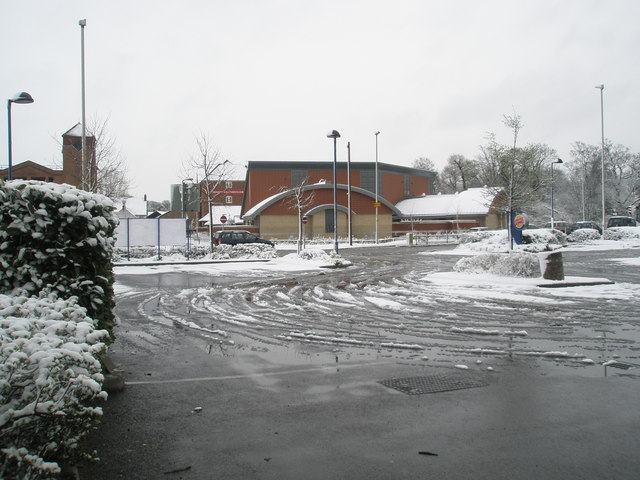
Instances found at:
x=559 y=225
x=237 y=237
x=586 y=224
x=620 y=221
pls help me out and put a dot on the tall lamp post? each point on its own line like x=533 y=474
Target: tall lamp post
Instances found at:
x=83 y=180
x=185 y=212
x=349 y=232
x=335 y=135
x=22 y=97
x=376 y=204
x=552 y=164
x=601 y=87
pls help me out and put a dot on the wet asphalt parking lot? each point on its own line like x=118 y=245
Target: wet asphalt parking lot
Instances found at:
x=280 y=376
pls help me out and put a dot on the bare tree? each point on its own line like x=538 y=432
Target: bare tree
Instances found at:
x=300 y=200
x=459 y=174
x=518 y=177
x=622 y=177
x=208 y=170
x=110 y=177
x=424 y=163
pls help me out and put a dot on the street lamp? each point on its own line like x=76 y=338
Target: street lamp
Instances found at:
x=83 y=180
x=552 y=164
x=185 y=213
x=22 y=97
x=376 y=204
x=335 y=135
x=601 y=87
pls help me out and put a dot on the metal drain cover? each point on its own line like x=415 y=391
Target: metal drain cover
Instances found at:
x=432 y=383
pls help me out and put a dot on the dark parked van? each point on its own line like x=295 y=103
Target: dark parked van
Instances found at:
x=621 y=222
x=237 y=237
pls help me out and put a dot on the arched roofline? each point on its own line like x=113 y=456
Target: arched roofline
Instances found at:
x=328 y=206
x=267 y=202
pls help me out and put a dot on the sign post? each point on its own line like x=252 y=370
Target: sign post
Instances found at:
x=304 y=221
x=518 y=223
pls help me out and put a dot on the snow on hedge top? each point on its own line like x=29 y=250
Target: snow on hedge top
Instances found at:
x=37 y=198
x=59 y=237
x=474 y=201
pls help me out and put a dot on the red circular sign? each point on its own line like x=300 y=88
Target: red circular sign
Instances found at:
x=223 y=219
x=519 y=221
x=305 y=220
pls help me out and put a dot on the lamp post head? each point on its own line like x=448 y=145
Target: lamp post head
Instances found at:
x=83 y=22
x=22 y=97
x=377 y=133
x=333 y=134
x=558 y=161
x=601 y=87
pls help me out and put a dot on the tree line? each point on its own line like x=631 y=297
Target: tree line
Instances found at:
x=521 y=174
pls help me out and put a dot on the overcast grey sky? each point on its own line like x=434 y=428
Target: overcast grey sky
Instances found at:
x=268 y=79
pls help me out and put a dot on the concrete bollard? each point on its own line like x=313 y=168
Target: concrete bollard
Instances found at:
x=551 y=265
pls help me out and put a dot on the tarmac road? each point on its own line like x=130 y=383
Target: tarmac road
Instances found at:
x=245 y=399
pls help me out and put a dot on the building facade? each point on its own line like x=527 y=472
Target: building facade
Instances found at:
x=71 y=172
x=278 y=194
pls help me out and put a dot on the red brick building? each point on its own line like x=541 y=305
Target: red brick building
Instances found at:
x=269 y=202
x=71 y=172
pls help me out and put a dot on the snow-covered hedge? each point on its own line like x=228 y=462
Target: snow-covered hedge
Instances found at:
x=48 y=375
x=495 y=241
x=59 y=238
x=243 y=251
x=621 y=233
x=546 y=236
x=584 y=235
x=329 y=259
x=514 y=264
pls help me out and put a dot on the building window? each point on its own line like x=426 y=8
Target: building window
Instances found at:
x=407 y=185
x=229 y=184
x=229 y=199
x=298 y=177
x=368 y=181
x=328 y=220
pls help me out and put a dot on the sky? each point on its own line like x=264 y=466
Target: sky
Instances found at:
x=268 y=79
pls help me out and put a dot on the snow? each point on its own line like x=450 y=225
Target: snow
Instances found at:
x=232 y=212
x=39 y=334
x=474 y=201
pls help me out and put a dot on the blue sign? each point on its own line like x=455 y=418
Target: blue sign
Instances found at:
x=517 y=225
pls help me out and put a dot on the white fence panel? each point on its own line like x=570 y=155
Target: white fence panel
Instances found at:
x=147 y=232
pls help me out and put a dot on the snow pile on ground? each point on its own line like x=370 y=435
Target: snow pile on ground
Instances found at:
x=243 y=251
x=621 y=233
x=326 y=258
x=584 y=235
x=49 y=372
x=497 y=241
x=514 y=264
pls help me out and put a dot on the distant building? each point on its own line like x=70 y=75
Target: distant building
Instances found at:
x=270 y=207
x=71 y=172
x=475 y=207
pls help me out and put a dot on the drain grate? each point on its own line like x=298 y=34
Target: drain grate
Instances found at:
x=620 y=365
x=432 y=383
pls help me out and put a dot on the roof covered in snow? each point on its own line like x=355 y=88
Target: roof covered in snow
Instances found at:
x=474 y=201
x=76 y=131
x=135 y=206
x=232 y=212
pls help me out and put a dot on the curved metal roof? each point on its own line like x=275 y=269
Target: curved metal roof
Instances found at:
x=258 y=208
